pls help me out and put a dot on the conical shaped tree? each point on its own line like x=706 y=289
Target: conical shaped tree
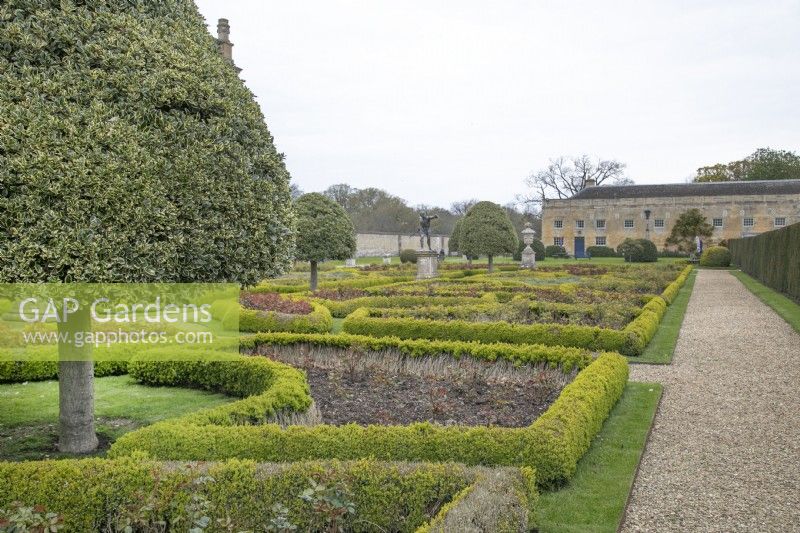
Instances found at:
x=487 y=230
x=324 y=231
x=130 y=152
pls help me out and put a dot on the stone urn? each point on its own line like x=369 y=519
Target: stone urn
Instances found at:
x=528 y=255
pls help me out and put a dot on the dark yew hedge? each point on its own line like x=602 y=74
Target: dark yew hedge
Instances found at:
x=772 y=257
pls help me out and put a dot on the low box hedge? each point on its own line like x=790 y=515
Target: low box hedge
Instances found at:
x=140 y=494
x=252 y=320
x=267 y=388
x=565 y=358
x=631 y=340
x=361 y=323
x=342 y=308
x=520 y=309
x=552 y=445
x=19 y=371
x=362 y=281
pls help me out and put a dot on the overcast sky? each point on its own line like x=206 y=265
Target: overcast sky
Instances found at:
x=438 y=101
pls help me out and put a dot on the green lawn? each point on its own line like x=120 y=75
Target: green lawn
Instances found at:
x=781 y=304
x=662 y=346
x=29 y=412
x=336 y=327
x=595 y=498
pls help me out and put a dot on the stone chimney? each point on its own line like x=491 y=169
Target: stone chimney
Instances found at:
x=589 y=183
x=224 y=41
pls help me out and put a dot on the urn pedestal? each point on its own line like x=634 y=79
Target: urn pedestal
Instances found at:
x=528 y=255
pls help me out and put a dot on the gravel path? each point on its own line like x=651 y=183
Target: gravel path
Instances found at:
x=724 y=454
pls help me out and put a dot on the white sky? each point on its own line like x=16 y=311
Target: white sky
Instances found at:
x=438 y=101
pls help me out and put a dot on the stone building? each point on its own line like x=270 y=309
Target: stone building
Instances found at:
x=606 y=215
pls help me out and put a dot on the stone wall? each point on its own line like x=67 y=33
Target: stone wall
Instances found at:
x=378 y=244
x=733 y=211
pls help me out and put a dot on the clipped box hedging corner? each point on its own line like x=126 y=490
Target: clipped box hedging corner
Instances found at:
x=106 y=495
x=319 y=320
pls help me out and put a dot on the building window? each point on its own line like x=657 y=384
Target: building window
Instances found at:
x=780 y=221
x=600 y=223
x=717 y=222
x=558 y=241
x=600 y=241
x=658 y=222
x=558 y=224
x=628 y=223
x=579 y=224
x=747 y=222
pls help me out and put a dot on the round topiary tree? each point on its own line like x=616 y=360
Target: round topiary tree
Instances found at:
x=130 y=151
x=715 y=256
x=487 y=230
x=324 y=231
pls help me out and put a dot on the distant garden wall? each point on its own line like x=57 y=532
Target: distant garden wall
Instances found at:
x=772 y=257
x=376 y=244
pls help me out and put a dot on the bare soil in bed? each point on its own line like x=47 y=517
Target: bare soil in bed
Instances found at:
x=347 y=394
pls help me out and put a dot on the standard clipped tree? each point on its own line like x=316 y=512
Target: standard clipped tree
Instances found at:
x=487 y=230
x=690 y=224
x=324 y=231
x=130 y=151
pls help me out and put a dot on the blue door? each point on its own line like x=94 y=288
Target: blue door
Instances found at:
x=580 y=251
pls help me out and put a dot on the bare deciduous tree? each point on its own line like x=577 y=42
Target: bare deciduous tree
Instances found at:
x=566 y=176
x=460 y=208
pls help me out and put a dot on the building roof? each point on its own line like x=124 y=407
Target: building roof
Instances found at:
x=722 y=188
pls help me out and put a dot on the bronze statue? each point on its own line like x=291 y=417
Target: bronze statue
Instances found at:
x=425 y=229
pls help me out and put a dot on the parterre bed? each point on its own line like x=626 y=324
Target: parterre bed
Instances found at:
x=392 y=389
x=258 y=428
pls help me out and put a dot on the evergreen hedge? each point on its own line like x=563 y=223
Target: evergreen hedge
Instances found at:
x=772 y=258
x=631 y=340
x=342 y=308
x=146 y=495
x=552 y=445
x=601 y=251
x=567 y=359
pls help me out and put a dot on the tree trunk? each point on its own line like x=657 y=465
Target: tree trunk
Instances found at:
x=313 y=276
x=76 y=432
x=491 y=264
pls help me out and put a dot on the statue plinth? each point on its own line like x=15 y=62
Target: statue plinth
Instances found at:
x=427 y=264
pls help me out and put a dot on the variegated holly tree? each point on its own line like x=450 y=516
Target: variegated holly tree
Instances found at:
x=130 y=151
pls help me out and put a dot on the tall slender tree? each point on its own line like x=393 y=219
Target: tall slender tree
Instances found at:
x=130 y=151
